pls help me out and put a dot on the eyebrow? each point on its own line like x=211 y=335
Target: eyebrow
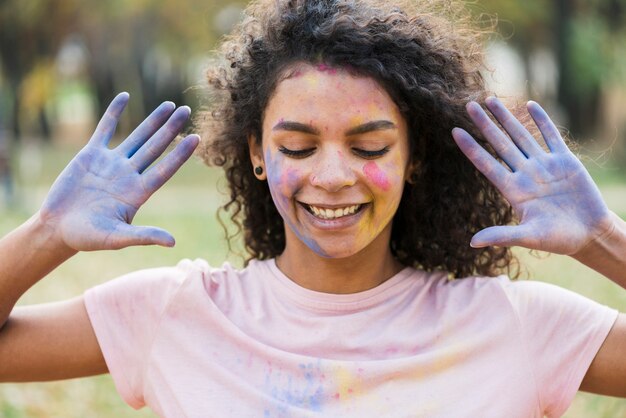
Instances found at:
x=376 y=125
x=286 y=125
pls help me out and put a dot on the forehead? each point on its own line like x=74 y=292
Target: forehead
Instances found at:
x=314 y=92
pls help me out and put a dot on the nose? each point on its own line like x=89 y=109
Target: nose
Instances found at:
x=333 y=172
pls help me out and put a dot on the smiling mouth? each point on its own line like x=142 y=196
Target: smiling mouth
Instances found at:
x=334 y=213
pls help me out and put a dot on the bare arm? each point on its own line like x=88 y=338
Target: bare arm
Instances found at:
x=90 y=207
x=607 y=253
x=38 y=255
x=49 y=342
x=561 y=210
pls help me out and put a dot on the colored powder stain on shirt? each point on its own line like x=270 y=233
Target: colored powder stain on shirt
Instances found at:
x=291 y=391
x=475 y=349
x=449 y=359
x=391 y=351
x=376 y=175
x=348 y=385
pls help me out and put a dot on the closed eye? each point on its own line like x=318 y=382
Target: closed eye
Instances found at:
x=300 y=153
x=370 y=154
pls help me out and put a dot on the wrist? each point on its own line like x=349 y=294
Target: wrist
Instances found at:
x=606 y=253
x=27 y=254
x=599 y=240
x=46 y=237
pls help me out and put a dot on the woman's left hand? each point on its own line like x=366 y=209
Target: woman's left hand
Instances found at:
x=559 y=206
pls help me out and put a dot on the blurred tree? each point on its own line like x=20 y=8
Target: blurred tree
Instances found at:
x=148 y=47
x=30 y=34
x=144 y=46
x=587 y=39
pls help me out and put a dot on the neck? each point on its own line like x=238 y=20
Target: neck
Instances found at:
x=364 y=270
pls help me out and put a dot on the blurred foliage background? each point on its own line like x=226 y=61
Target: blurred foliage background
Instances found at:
x=571 y=56
x=61 y=62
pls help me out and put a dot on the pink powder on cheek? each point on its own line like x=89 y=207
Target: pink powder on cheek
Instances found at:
x=291 y=177
x=376 y=175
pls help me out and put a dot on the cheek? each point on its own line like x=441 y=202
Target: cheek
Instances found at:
x=376 y=176
x=284 y=181
x=290 y=180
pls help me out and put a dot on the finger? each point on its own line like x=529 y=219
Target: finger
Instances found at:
x=128 y=235
x=154 y=147
x=146 y=129
x=156 y=176
x=503 y=146
x=503 y=236
x=106 y=127
x=548 y=129
x=482 y=160
x=518 y=133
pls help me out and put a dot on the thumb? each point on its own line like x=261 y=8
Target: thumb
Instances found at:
x=128 y=235
x=503 y=236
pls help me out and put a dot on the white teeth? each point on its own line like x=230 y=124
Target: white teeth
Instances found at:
x=333 y=214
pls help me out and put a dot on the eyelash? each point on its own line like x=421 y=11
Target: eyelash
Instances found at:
x=371 y=154
x=306 y=152
x=296 y=153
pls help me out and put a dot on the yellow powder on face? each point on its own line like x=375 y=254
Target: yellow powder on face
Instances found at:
x=311 y=78
x=356 y=120
x=375 y=108
x=396 y=168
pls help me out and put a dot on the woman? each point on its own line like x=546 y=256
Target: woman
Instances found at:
x=348 y=132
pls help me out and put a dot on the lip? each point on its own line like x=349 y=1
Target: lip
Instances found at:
x=331 y=206
x=333 y=224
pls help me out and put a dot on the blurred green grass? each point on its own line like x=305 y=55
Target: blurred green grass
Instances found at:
x=187 y=206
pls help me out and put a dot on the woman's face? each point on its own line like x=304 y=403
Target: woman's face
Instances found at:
x=335 y=151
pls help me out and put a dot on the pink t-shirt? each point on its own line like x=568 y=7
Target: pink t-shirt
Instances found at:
x=196 y=341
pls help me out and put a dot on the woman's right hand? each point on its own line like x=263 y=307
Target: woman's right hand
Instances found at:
x=93 y=201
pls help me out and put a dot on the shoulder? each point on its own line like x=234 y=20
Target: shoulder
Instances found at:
x=163 y=279
x=537 y=306
x=145 y=295
x=534 y=295
x=513 y=290
x=474 y=287
x=187 y=275
x=526 y=298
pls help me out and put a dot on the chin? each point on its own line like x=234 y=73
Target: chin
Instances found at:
x=337 y=252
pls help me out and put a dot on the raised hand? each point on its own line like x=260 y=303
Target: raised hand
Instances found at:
x=93 y=201
x=559 y=206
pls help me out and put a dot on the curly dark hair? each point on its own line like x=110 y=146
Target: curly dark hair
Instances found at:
x=428 y=58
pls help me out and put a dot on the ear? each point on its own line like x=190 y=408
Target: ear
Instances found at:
x=413 y=171
x=256 y=157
